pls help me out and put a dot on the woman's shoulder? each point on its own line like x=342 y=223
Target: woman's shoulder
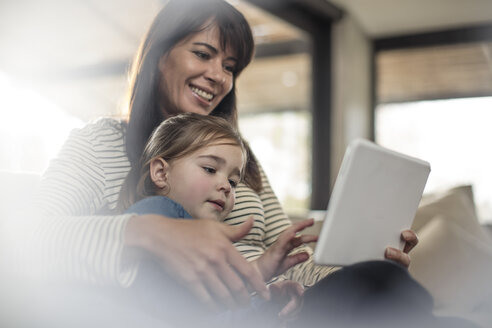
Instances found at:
x=104 y=124
x=98 y=136
x=102 y=129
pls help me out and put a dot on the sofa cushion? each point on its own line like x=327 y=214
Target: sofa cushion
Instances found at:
x=455 y=267
x=456 y=205
x=16 y=189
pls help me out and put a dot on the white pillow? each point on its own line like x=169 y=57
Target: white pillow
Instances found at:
x=456 y=205
x=455 y=267
x=16 y=190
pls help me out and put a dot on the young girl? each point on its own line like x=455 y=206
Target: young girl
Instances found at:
x=190 y=168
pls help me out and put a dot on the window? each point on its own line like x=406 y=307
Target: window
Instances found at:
x=433 y=104
x=453 y=135
x=281 y=142
x=32 y=128
x=274 y=101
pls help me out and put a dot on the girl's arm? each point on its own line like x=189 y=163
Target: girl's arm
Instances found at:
x=270 y=222
x=308 y=273
x=278 y=258
x=276 y=221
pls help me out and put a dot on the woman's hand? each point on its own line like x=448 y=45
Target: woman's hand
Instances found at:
x=289 y=293
x=411 y=240
x=199 y=255
x=276 y=259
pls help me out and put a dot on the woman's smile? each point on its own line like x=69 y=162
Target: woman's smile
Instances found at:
x=207 y=96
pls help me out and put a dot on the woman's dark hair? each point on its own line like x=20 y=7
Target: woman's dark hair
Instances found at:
x=174 y=138
x=176 y=21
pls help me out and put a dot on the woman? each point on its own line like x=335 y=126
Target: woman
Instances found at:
x=188 y=62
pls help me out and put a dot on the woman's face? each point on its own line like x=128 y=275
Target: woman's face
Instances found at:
x=196 y=74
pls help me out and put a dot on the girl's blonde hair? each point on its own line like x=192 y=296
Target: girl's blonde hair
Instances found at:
x=175 y=138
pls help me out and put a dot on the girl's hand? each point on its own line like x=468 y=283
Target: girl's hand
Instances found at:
x=276 y=258
x=411 y=240
x=200 y=256
x=289 y=293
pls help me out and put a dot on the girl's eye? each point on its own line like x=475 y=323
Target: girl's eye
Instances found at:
x=201 y=54
x=233 y=183
x=210 y=170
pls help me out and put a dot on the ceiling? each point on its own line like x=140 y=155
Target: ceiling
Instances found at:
x=383 y=18
x=76 y=52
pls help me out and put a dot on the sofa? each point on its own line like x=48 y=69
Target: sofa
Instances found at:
x=15 y=188
x=453 y=259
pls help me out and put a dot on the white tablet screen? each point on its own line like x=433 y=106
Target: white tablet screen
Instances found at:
x=375 y=197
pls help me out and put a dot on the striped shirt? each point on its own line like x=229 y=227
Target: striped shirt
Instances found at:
x=77 y=239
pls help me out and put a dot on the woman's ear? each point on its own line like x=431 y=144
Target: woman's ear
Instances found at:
x=158 y=173
x=162 y=62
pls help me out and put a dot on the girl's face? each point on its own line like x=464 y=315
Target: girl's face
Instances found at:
x=196 y=74
x=204 y=181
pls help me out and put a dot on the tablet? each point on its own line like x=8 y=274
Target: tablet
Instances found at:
x=375 y=198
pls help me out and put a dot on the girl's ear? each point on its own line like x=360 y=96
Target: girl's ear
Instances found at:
x=158 y=173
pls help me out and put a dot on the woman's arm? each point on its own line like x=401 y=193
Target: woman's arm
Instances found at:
x=66 y=238
x=69 y=240
x=199 y=255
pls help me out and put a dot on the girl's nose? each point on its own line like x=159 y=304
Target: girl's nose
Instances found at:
x=225 y=185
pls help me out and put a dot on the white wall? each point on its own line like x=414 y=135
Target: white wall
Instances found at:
x=351 y=110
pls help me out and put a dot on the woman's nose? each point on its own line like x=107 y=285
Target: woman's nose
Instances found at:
x=215 y=73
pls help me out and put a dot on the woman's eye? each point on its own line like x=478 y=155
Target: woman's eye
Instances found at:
x=230 y=68
x=201 y=54
x=233 y=183
x=209 y=169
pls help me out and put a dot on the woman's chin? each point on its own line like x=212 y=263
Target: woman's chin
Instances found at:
x=197 y=110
